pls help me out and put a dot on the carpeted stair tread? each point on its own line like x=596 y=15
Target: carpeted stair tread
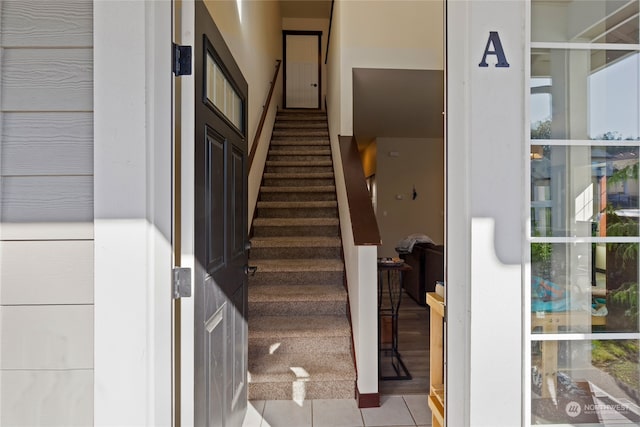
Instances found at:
x=298 y=326
x=300 y=132
x=292 y=222
x=298 y=163
x=289 y=367
x=296 y=300
x=289 y=117
x=295 y=241
x=298 y=265
x=297 y=175
x=305 y=189
x=301 y=124
x=317 y=118
x=295 y=293
x=309 y=152
x=301 y=205
x=282 y=142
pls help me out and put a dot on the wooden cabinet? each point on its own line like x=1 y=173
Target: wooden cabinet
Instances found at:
x=436 y=358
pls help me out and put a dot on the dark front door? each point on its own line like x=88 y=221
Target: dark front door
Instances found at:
x=220 y=289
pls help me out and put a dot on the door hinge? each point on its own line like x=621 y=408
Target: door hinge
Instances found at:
x=181 y=60
x=181 y=282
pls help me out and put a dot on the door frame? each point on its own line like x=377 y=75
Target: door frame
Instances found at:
x=185 y=130
x=485 y=212
x=132 y=228
x=286 y=33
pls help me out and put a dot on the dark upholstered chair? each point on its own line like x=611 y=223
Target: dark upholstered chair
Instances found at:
x=427 y=267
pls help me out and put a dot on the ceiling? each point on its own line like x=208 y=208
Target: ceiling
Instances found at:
x=397 y=103
x=386 y=102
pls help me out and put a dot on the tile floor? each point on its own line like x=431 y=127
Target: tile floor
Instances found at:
x=394 y=411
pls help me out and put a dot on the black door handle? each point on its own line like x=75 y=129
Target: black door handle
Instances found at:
x=250 y=270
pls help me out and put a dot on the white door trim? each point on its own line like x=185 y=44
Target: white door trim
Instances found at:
x=486 y=166
x=132 y=213
x=187 y=203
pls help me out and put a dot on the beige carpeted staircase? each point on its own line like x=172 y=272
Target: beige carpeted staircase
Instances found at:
x=299 y=334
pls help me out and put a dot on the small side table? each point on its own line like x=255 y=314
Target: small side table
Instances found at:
x=390 y=286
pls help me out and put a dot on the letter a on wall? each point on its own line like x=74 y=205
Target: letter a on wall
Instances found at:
x=498 y=51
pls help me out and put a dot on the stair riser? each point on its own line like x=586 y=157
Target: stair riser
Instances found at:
x=295 y=253
x=297 y=278
x=299 y=158
x=298 y=212
x=299 y=146
x=301 y=132
x=302 y=390
x=334 y=345
x=298 y=169
x=297 y=182
x=299 y=142
x=290 y=143
x=302 y=115
x=318 y=124
x=297 y=150
x=303 y=230
x=297 y=197
x=301 y=121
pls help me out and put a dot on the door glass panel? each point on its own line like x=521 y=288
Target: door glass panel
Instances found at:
x=581 y=21
x=585 y=94
x=585 y=382
x=221 y=94
x=220 y=83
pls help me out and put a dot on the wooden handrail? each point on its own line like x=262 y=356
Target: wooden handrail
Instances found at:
x=263 y=117
x=363 y=219
x=326 y=55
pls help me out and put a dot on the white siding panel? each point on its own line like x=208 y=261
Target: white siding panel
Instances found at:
x=46 y=398
x=57 y=199
x=46 y=337
x=64 y=273
x=47 y=23
x=46 y=213
x=46 y=231
x=47 y=144
x=47 y=79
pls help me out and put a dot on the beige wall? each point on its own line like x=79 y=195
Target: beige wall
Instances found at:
x=415 y=162
x=388 y=34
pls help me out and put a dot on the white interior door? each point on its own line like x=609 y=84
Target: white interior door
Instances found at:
x=302 y=70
